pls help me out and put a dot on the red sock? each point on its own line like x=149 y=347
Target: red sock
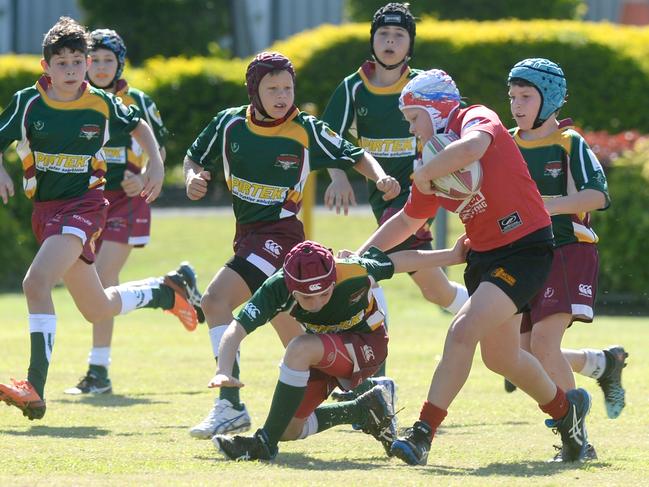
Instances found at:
x=558 y=407
x=432 y=415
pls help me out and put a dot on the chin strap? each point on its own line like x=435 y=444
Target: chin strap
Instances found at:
x=390 y=67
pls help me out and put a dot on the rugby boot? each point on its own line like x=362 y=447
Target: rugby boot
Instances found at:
x=590 y=454
x=91 y=383
x=611 y=380
x=246 y=448
x=380 y=415
x=414 y=447
x=23 y=395
x=183 y=281
x=223 y=418
x=572 y=427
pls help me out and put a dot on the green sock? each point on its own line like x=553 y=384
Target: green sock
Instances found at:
x=286 y=401
x=161 y=297
x=232 y=393
x=381 y=371
x=363 y=387
x=38 y=363
x=333 y=414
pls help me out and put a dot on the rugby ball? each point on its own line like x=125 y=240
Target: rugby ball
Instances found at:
x=459 y=185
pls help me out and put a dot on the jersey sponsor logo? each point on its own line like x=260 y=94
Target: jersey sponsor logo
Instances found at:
x=64 y=163
x=368 y=353
x=116 y=223
x=549 y=292
x=273 y=248
x=82 y=220
x=287 y=161
x=502 y=274
x=356 y=296
x=586 y=290
x=115 y=155
x=315 y=287
x=362 y=111
x=331 y=136
x=89 y=131
x=261 y=194
x=390 y=147
x=251 y=310
x=553 y=169
x=473 y=206
x=509 y=222
x=338 y=327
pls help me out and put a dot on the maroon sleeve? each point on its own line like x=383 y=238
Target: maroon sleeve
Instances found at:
x=419 y=205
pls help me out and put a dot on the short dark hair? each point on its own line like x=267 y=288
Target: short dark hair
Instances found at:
x=521 y=82
x=66 y=33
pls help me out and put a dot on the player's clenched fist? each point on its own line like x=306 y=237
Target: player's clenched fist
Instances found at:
x=389 y=187
x=196 y=184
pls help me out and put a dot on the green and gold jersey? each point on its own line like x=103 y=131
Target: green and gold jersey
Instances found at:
x=352 y=306
x=123 y=152
x=60 y=143
x=563 y=164
x=266 y=164
x=371 y=114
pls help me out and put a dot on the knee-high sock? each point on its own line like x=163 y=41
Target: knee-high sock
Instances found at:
x=42 y=329
x=145 y=295
x=379 y=295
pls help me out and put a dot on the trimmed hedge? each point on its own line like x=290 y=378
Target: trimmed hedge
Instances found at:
x=623 y=230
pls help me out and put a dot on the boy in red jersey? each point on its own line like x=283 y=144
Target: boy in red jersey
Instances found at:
x=511 y=254
x=62 y=124
x=265 y=150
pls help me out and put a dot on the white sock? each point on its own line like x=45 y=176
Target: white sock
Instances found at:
x=310 y=427
x=595 y=363
x=291 y=377
x=461 y=297
x=133 y=297
x=216 y=334
x=45 y=324
x=149 y=282
x=379 y=295
x=99 y=356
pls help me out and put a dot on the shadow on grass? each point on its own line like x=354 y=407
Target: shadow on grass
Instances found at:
x=61 y=432
x=110 y=400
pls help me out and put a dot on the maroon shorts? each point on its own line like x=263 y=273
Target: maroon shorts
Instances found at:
x=570 y=287
x=260 y=248
x=128 y=221
x=84 y=217
x=349 y=359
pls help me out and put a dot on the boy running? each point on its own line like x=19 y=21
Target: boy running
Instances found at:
x=266 y=150
x=511 y=254
x=61 y=125
x=346 y=342
x=129 y=216
x=366 y=106
x=572 y=183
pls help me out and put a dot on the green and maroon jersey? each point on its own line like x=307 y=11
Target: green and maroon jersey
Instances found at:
x=60 y=143
x=352 y=306
x=266 y=165
x=123 y=152
x=371 y=114
x=563 y=164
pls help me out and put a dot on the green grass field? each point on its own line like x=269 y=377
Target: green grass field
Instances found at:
x=138 y=435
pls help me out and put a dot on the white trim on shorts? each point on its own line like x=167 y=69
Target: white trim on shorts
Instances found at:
x=75 y=231
x=143 y=240
x=262 y=264
x=582 y=311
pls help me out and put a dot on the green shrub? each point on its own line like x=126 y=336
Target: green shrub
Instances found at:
x=623 y=230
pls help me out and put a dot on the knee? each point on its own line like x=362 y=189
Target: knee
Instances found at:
x=36 y=285
x=300 y=352
x=213 y=305
x=462 y=333
x=432 y=294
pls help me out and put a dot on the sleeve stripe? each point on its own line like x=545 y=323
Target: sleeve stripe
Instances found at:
x=317 y=138
x=347 y=103
x=13 y=114
x=209 y=146
x=581 y=160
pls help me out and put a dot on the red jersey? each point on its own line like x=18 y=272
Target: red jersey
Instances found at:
x=508 y=205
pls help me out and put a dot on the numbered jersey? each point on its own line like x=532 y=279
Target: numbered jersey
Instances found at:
x=563 y=164
x=266 y=165
x=352 y=306
x=371 y=114
x=123 y=152
x=60 y=143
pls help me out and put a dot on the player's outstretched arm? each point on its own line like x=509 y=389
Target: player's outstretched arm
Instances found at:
x=413 y=260
x=6 y=184
x=232 y=338
x=456 y=155
x=339 y=192
x=392 y=232
x=196 y=179
x=586 y=200
x=154 y=173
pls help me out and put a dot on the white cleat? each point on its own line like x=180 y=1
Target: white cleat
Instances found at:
x=222 y=419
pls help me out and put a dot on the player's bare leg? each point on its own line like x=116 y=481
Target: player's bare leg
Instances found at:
x=436 y=288
x=545 y=345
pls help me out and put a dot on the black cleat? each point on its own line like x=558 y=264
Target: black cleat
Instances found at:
x=245 y=448
x=611 y=380
x=380 y=415
x=91 y=383
x=590 y=454
x=183 y=280
x=574 y=438
x=414 y=447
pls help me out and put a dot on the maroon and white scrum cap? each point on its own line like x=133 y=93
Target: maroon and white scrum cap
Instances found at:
x=309 y=268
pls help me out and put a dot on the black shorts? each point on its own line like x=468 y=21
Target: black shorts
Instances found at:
x=518 y=269
x=251 y=274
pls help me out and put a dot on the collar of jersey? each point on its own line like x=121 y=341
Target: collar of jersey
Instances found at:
x=259 y=125
x=121 y=87
x=366 y=70
x=557 y=137
x=43 y=83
